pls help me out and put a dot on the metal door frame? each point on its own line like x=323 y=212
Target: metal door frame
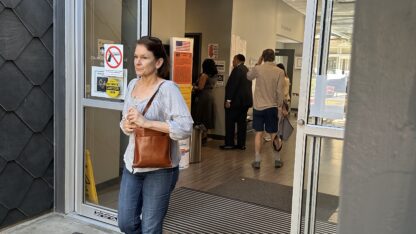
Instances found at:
x=74 y=109
x=305 y=129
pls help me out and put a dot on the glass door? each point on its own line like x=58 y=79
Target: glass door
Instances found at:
x=321 y=115
x=106 y=34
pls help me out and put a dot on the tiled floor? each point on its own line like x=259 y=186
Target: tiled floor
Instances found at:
x=54 y=223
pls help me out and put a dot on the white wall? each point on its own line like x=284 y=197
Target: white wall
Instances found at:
x=168 y=19
x=213 y=19
x=290 y=23
x=379 y=167
x=254 y=21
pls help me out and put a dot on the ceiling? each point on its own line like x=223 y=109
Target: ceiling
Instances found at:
x=343 y=16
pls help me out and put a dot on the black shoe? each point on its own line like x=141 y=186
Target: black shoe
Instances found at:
x=243 y=147
x=227 y=147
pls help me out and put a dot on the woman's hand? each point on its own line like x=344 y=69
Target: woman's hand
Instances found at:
x=128 y=127
x=137 y=118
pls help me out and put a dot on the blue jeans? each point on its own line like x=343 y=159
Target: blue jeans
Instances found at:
x=146 y=194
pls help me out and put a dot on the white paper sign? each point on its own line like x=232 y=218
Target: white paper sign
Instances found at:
x=113 y=60
x=99 y=87
x=330 y=97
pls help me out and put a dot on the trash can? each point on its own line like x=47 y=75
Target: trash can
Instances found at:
x=195 y=156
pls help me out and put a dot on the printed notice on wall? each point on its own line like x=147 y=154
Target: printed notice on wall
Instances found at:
x=182 y=68
x=107 y=86
x=220 y=64
x=186 y=90
x=213 y=50
x=181 y=59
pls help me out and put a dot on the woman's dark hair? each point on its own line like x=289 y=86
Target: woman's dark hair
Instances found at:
x=154 y=45
x=209 y=67
x=268 y=55
x=281 y=66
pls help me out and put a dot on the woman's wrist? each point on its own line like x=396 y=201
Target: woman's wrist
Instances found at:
x=148 y=124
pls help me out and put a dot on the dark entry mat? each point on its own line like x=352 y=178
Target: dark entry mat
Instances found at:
x=272 y=195
x=191 y=211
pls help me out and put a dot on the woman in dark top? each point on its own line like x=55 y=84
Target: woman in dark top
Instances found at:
x=204 y=114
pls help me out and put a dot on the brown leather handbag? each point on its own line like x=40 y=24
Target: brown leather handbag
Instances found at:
x=152 y=148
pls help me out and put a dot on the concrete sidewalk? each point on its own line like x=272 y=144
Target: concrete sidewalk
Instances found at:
x=57 y=224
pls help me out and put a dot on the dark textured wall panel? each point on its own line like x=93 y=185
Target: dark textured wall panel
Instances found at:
x=35 y=62
x=13 y=35
x=2 y=112
x=13 y=216
x=14 y=86
x=2 y=59
x=26 y=109
x=36 y=110
x=36 y=15
x=3 y=212
x=47 y=39
x=10 y=3
x=36 y=160
x=3 y=164
x=38 y=198
x=14 y=135
x=47 y=86
x=14 y=185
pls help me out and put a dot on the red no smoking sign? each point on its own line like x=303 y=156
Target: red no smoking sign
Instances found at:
x=113 y=59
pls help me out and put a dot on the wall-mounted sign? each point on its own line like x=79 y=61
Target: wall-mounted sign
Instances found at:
x=113 y=60
x=213 y=50
x=220 y=64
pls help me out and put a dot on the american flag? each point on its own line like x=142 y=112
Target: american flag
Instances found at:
x=183 y=45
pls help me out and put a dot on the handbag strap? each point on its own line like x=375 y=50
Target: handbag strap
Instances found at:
x=151 y=99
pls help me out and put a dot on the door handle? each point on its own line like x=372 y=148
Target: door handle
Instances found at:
x=301 y=122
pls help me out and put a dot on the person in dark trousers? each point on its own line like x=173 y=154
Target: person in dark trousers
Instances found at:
x=238 y=98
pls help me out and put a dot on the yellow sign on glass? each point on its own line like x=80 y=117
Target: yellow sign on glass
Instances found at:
x=113 y=88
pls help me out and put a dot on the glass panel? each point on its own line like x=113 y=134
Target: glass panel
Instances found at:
x=109 y=22
x=308 y=153
x=329 y=86
x=316 y=49
x=329 y=175
x=329 y=180
x=103 y=156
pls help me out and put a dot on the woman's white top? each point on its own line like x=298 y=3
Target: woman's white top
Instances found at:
x=167 y=106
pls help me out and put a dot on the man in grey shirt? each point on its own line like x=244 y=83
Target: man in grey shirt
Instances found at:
x=268 y=96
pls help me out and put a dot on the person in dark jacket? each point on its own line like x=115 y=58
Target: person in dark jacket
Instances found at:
x=238 y=99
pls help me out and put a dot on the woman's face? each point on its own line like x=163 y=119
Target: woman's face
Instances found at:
x=145 y=62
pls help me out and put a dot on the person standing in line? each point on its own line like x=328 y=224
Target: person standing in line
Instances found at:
x=268 y=96
x=145 y=192
x=283 y=111
x=238 y=98
x=205 y=108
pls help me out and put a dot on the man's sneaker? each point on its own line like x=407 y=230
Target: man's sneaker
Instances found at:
x=278 y=164
x=255 y=164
